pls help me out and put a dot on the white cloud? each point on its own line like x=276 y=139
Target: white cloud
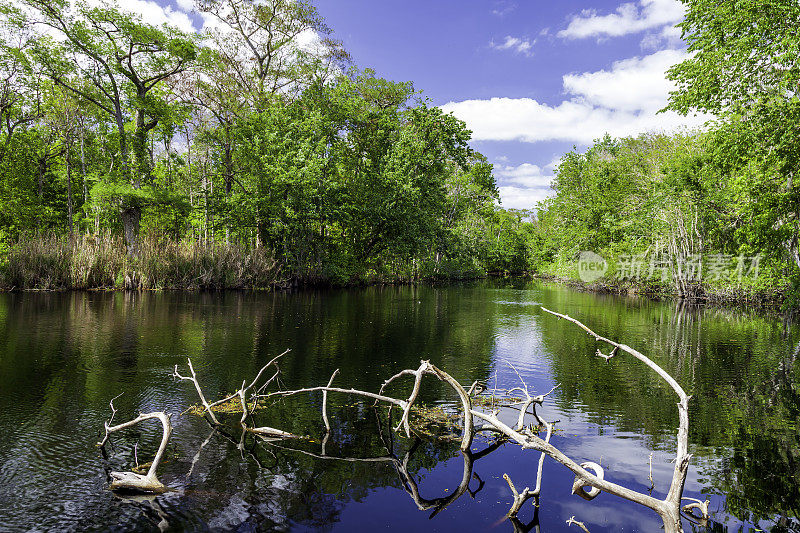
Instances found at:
x=526 y=120
x=633 y=84
x=526 y=174
x=523 y=186
x=152 y=13
x=186 y=5
x=516 y=44
x=628 y=18
x=622 y=102
x=669 y=36
x=309 y=41
x=522 y=197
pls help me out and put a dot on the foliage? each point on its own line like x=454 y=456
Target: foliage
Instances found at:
x=246 y=139
x=703 y=194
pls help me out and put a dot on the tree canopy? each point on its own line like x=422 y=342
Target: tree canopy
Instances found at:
x=258 y=133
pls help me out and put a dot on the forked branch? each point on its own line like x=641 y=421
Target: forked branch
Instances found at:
x=131 y=480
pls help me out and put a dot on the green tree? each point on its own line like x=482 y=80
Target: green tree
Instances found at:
x=112 y=60
x=745 y=68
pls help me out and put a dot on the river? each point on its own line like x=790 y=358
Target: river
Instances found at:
x=63 y=356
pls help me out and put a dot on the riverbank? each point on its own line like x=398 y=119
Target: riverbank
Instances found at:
x=53 y=263
x=728 y=294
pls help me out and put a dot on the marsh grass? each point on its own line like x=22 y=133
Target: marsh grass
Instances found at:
x=47 y=262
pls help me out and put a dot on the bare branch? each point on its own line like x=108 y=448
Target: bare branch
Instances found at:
x=208 y=406
x=581 y=525
x=130 y=480
x=519 y=497
x=325 y=406
x=638 y=355
x=271 y=362
x=412 y=398
x=682 y=455
x=193 y=379
x=702 y=506
x=609 y=356
x=374 y=396
x=580 y=484
x=398 y=375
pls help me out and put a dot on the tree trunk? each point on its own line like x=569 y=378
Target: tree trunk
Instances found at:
x=69 y=193
x=83 y=172
x=131 y=218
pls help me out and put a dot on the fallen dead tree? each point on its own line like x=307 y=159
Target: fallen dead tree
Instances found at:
x=590 y=479
x=669 y=508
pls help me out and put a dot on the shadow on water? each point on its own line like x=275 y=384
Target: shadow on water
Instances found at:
x=64 y=356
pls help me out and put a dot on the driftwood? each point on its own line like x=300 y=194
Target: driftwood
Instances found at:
x=669 y=507
x=208 y=407
x=131 y=480
x=701 y=506
x=519 y=498
x=590 y=478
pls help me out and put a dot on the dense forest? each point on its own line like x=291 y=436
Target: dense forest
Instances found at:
x=714 y=213
x=249 y=155
x=256 y=154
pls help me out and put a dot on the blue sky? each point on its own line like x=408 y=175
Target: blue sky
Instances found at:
x=531 y=78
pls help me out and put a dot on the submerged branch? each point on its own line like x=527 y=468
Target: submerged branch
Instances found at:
x=669 y=508
x=138 y=482
x=589 y=476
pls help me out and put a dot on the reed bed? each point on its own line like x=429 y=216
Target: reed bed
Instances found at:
x=49 y=262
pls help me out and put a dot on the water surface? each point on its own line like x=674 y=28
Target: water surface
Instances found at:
x=64 y=356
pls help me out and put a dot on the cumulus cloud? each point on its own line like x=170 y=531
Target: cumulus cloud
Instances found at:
x=526 y=120
x=516 y=44
x=522 y=197
x=669 y=36
x=152 y=13
x=186 y=5
x=628 y=18
x=631 y=85
x=623 y=101
x=523 y=186
x=526 y=174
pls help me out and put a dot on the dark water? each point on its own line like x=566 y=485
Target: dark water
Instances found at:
x=64 y=356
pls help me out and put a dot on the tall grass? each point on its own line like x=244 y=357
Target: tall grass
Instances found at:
x=94 y=262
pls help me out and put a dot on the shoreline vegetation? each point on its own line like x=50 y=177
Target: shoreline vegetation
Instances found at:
x=185 y=163
x=58 y=263
x=700 y=216
x=702 y=294
x=291 y=166
x=88 y=262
